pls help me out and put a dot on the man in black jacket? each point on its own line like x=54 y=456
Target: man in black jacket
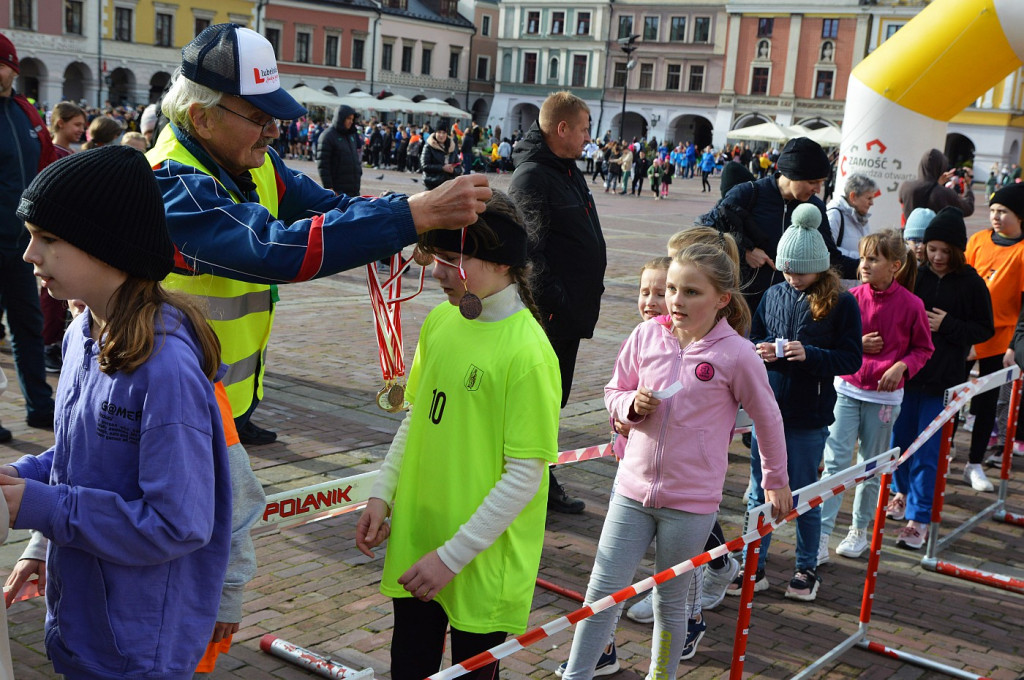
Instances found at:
x=570 y=252
x=339 y=156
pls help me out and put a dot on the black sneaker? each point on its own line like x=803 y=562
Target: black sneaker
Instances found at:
x=250 y=435
x=41 y=421
x=559 y=501
x=52 y=359
x=5 y=435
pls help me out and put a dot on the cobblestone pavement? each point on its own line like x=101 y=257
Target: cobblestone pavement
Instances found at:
x=315 y=589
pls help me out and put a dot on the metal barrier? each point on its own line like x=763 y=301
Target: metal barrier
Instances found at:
x=756 y=526
x=996 y=510
x=955 y=398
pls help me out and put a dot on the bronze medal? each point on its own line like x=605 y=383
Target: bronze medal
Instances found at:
x=396 y=397
x=470 y=306
x=422 y=258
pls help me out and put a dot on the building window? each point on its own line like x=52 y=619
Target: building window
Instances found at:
x=428 y=56
x=823 y=84
x=651 y=28
x=890 y=30
x=453 y=65
x=164 y=30
x=358 y=45
x=406 y=58
x=677 y=29
x=579 y=70
x=273 y=36
x=483 y=68
x=673 y=77
x=702 y=29
x=449 y=8
x=387 y=51
x=625 y=26
x=73 y=17
x=203 y=24
x=331 y=43
x=553 y=70
x=696 y=78
x=764 y=49
x=22 y=15
x=646 y=76
x=765 y=27
x=619 y=77
x=485 y=26
x=122 y=24
x=582 y=23
x=532 y=22
x=302 y=47
x=827 y=50
x=759 y=81
x=557 y=23
x=830 y=28
x=530 y=67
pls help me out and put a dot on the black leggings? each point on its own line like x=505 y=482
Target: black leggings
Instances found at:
x=983 y=406
x=417 y=643
x=704 y=180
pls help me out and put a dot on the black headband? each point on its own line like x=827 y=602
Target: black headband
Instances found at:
x=510 y=248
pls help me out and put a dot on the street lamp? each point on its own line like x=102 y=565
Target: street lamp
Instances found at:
x=628 y=46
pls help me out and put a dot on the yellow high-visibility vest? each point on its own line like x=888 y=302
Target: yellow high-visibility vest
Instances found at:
x=240 y=313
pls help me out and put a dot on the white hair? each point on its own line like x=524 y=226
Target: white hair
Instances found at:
x=182 y=95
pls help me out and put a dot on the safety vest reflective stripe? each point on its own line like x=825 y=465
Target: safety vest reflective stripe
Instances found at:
x=241 y=314
x=243 y=370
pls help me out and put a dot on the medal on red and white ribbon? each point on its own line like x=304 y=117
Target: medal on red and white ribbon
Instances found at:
x=386 y=301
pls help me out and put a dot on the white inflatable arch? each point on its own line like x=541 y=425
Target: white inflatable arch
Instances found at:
x=901 y=97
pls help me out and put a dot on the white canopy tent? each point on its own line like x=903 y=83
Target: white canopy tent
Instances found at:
x=307 y=96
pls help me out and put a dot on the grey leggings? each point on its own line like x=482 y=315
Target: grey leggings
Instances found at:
x=628 y=530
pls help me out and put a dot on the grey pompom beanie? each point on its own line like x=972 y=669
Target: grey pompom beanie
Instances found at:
x=802 y=249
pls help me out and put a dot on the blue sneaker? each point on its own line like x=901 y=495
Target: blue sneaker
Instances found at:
x=606 y=665
x=694 y=633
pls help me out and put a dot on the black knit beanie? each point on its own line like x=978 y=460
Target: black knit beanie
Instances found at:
x=128 y=233
x=734 y=173
x=804 y=159
x=948 y=226
x=1012 y=196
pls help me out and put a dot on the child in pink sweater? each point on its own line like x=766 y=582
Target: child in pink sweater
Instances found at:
x=670 y=481
x=897 y=343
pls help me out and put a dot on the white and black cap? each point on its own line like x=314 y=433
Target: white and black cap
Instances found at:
x=238 y=61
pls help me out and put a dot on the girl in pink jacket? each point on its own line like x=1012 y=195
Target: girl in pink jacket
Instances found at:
x=897 y=343
x=679 y=385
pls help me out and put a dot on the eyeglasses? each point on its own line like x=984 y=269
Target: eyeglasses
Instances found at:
x=266 y=127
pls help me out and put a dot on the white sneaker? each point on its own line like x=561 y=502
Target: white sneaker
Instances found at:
x=715 y=583
x=643 y=611
x=855 y=543
x=823 y=555
x=975 y=476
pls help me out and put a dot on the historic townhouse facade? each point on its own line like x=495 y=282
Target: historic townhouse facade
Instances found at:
x=422 y=50
x=324 y=44
x=483 y=56
x=121 y=51
x=668 y=86
x=790 y=65
x=545 y=46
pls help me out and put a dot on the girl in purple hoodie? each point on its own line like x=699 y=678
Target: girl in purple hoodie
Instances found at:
x=678 y=384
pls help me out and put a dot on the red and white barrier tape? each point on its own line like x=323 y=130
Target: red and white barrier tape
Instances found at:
x=532 y=636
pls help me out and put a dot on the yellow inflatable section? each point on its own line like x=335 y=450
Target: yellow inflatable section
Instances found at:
x=901 y=97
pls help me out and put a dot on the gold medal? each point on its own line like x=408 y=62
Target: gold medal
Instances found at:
x=382 y=397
